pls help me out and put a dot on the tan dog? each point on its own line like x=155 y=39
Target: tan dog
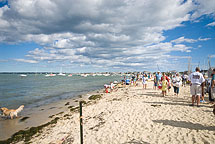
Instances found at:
x=11 y=112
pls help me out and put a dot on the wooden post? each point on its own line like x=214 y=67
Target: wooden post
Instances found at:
x=81 y=122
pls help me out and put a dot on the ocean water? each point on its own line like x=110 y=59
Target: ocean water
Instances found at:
x=36 y=90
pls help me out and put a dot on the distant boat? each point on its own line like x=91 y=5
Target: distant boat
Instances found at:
x=84 y=75
x=50 y=75
x=23 y=75
x=61 y=74
x=69 y=75
x=106 y=74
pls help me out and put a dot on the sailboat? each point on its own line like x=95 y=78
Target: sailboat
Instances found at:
x=61 y=74
x=23 y=75
x=84 y=75
x=69 y=75
x=50 y=75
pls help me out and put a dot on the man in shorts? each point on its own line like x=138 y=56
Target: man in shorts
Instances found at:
x=196 y=79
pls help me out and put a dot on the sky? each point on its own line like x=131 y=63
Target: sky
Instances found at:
x=106 y=35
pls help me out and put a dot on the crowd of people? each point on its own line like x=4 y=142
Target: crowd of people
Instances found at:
x=165 y=82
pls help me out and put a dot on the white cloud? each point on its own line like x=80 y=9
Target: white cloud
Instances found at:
x=204 y=39
x=182 y=40
x=203 y=7
x=211 y=24
x=26 y=61
x=104 y=33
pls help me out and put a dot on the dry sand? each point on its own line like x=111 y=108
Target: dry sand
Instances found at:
x=134 y=115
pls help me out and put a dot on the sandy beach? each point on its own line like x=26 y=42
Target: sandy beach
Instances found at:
x=134 y=115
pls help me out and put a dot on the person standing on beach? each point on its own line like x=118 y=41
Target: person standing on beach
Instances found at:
x=144 y=80
x=177 y=84
x=155 y=83
x=164 y=86
x=135 y=81
x=184 y=80
x=164 y=75
x=166 y=79
x=169 y=84
x=127 y=81
x=111 y=86
x=203 y=91
x=196 y=79
x=174 y=84
x=213 y=87
x=158 y=78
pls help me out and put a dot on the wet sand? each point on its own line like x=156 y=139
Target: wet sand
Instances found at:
x=36 y=116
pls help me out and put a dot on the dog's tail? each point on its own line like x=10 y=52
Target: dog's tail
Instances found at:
x=19 y=109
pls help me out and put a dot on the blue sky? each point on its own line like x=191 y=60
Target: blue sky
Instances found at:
x=95 y=36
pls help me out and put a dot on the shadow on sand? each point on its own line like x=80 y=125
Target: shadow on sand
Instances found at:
x=136 y=142
x=168 y=103
x=184 y=124
x=152 y=94
x=171 y=100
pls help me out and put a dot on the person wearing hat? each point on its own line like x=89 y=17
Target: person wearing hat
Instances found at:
x=196 y=79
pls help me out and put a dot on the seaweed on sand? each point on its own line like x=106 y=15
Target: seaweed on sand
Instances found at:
x=26 y=135
x=94 y=97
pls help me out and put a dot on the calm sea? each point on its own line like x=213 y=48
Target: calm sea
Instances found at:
x=37 y=90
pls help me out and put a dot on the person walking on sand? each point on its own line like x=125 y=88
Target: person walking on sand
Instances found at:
x=158 y=77
x=174 y=84
x=144 y=80
x=211 y=95
x=196 y=79
x=164 y=75
x=155 y=83
x=166 y=78
x=213 y=87
x=203 y=91
x=177 y=83
x=111 y=86
x=169 y=84
x=184 y=79
x=164 y=86
x=127 y=81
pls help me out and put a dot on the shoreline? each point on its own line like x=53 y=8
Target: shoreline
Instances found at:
x=132 y=115
x=36 y=116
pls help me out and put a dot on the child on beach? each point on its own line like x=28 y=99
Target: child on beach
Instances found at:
x=164 y=86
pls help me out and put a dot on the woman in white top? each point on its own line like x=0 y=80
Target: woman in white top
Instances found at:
x=176 y=82
x=144 y=80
